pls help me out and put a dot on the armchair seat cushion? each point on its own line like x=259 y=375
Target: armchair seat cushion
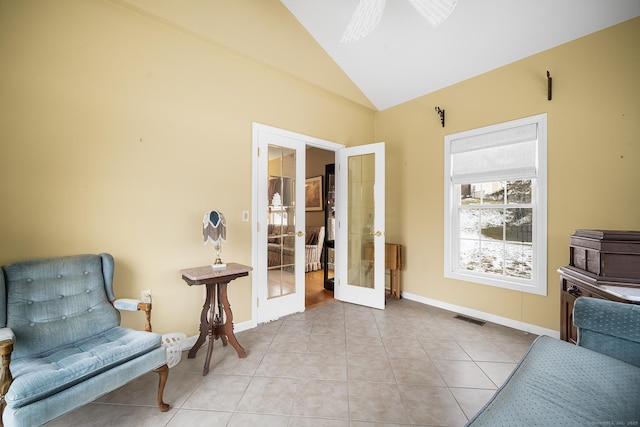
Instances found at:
x=39 y=376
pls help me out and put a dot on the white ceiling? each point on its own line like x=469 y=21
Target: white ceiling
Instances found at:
x=404 y=57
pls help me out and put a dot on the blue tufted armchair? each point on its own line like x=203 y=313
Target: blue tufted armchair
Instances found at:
x=61 y=343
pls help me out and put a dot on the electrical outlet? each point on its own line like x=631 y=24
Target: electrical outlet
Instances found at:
x=145 y=296
x=245 y=216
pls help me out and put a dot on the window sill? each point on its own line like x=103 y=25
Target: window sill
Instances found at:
x=531 y=287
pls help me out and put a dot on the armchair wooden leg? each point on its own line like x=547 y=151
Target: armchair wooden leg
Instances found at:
x=163 y=371
x=6 y=347
x=146 y=307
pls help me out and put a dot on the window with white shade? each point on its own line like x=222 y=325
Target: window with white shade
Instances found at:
x=495 y=205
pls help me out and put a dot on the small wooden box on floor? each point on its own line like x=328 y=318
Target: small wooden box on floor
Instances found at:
x=603 y=264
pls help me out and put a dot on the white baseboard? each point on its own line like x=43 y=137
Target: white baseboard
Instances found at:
x=243 y=326
x=504 y=321
x=237 y=327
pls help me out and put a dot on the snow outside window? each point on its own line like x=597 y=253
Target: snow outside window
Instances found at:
x=495 y=205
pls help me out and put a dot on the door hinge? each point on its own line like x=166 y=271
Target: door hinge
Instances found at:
x=257 y=302
x=258 y=151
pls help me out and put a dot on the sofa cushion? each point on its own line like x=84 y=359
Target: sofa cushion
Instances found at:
x=39 y=376
x=557 y=383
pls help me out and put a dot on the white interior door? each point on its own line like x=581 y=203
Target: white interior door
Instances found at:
x=360 y=182
x=280 y=226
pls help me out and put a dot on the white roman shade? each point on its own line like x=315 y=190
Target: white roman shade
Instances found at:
x=495 y=156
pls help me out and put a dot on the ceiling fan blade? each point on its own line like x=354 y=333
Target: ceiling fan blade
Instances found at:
x=366 y=17
x=434 y=11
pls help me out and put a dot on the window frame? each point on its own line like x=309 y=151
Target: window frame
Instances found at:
x=538 y=282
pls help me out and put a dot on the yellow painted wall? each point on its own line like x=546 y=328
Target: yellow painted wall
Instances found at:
x=118 y=131
x=593 y=160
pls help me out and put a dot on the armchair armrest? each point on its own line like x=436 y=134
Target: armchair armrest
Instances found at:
x=135 y=305
x=7 y=334
x=6 y=348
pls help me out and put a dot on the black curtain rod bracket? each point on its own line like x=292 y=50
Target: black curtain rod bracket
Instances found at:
x=441 y=114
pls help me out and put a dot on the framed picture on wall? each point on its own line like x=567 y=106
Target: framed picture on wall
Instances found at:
x=313 y=194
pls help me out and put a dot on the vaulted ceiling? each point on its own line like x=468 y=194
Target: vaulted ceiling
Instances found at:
x=404 y=57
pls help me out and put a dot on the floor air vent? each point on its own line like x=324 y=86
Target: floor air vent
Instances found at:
x=470 y=320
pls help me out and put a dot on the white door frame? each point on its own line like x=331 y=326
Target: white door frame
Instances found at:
x=308 y=141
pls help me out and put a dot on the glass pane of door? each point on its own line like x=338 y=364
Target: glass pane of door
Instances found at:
x=360 y=249
x=361 y=213
x=281 y=233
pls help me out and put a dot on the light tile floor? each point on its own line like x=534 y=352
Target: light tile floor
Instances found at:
x=334 y=365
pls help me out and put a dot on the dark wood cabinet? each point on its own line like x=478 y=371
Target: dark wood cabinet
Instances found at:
x=602 y=264
x=568 y=331
x=329 y=226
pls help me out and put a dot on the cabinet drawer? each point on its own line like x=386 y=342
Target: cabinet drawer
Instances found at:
x=579 y=291
x=585 y=259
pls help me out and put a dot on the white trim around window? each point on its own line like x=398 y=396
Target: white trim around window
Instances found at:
x=488 y=161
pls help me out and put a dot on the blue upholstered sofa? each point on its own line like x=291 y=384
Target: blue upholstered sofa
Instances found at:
x=61 y=345
x=594 y=383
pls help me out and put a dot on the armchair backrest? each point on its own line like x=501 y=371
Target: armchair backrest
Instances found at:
x=609 y=327
x=315 y=236
x=52 y=302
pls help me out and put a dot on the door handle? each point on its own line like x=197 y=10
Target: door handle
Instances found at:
x=300 y=234
x=378 y=233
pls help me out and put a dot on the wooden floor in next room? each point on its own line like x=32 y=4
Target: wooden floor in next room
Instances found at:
x=315 y=293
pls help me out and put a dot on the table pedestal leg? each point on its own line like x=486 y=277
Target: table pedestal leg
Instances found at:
x=216 y=325
x=227 y=327
x=212 y=328
x=220 y=316
x=204 y=324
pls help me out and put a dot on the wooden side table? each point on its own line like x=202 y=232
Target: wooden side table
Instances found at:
x=215 y=324
x=393 y=263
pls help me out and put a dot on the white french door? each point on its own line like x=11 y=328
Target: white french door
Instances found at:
x=360 y=215
x=280 y=225
x=278 y=237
